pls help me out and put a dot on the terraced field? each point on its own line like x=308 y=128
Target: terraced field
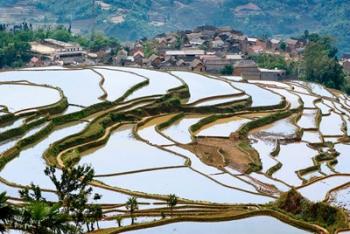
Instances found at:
x=227 y=148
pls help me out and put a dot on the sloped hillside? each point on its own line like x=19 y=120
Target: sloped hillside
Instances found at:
x=129 y=19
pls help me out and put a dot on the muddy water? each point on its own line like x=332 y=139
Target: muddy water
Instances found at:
x=222 y=127
x=281 y=129
x=196 y=163
x=216 y=101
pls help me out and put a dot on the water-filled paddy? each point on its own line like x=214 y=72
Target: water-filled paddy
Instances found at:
x=308 y=119
x=343 y=159
x=222 y=101
x=179 y=131
x=159 y=82
x=185 y=183
x=317 y=191
x=258 y=225
x=19 y=97
x=222 y=127
x=332 y=125
x=31 y=163
x=226 y=168
x=124 y=153
x=288 y=156
x=68 y=81
x=117 y=83
x=260 y=96
x=149 y=133
x=202 y=87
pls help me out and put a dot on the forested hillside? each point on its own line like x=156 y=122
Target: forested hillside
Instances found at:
x=130 y=19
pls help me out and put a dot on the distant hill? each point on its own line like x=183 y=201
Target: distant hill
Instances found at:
x=130 y=19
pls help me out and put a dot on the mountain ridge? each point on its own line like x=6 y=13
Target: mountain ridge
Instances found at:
x=130 y=20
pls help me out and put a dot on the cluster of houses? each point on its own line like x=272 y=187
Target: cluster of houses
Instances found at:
x=204 y=49
x=208 y=49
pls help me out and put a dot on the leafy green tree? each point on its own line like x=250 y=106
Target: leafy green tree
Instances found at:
x=39 y=217
x=283 y=46
x=132 y=206
x=227 y=70
x=119 y=219
x=320 y=63
x=6 y=212
x=172 y=202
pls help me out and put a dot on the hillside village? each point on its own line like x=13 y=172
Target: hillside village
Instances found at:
x=206 y=48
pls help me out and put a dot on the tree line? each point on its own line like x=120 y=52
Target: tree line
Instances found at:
x=15 y=41
x=319 y=63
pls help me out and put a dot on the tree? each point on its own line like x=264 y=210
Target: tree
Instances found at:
x=39 y=217
x=119 y=219
x=227 y=70
x=132 y=205
x=73 y=191
x=321 y=65
x=172 y=202
x=32 y=194
x=6 y=212
x=283 y=46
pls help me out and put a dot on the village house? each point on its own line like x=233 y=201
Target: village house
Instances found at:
x=273 y=44
x=234 y=58
x=138 y=57
x=272 y=74
x=121 y=57
x=55 y=50
x=213 y=63
x=247 y=69
x=185 y=54
x=293 y=45
x=197 y=66
x=154 y=61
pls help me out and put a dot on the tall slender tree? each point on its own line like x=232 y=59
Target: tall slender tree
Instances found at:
x=132 y=205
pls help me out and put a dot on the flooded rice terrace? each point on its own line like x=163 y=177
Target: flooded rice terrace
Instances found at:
x=227 y=148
